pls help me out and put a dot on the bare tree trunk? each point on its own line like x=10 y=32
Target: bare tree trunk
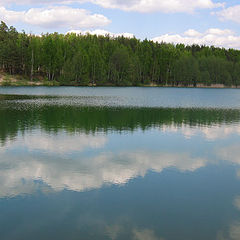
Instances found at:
x=32 y=61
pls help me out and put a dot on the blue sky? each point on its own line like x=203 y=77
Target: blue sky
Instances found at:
x=211 y=22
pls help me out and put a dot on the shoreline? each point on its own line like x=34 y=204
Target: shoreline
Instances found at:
x=39 y=84
x=49 y=84
x=19 y=81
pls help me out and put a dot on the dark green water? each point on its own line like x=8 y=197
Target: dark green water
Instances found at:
x=119 y=163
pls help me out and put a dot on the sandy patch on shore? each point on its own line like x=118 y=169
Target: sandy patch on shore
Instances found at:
x=35 y=83
x=13 y=80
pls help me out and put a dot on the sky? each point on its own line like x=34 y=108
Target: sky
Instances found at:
x=204 y=22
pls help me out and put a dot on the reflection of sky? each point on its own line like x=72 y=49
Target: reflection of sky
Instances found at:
x=117 y=191
x=80 y=162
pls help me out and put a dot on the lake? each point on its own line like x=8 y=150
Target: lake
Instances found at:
x=119 y=163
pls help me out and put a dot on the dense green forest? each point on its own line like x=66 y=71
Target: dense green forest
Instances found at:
x=102 y=60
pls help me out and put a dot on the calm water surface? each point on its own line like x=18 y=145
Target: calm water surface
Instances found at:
x=119 y=163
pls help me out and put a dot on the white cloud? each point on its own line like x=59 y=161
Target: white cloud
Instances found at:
x=230 y=153
x=235 y=231
x=231 y=13
x=167 y=6
x=66 y=166
x=55 y=143
x=212 y=37
x=55 y=17
x=210 y=133
x=100 y=32
x=10 y=16
x=144 y=234
x=237 y=202
x=192 y=33
x=85 y=173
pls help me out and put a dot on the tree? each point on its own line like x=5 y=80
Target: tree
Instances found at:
x=103 y=60
x=120 y=65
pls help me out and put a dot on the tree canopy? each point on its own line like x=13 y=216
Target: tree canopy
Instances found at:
x=73 y=59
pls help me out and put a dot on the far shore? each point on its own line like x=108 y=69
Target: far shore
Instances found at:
x=192 y=86
x=18 y=81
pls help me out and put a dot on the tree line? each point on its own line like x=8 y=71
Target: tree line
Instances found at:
x=73 y=59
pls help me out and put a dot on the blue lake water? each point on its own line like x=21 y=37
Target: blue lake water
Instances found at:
x=137 y=96
x=119 y=163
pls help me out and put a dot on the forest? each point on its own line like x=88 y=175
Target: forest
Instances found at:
x=83 y=60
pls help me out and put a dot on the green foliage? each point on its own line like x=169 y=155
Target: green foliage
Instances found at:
x=205 y=78
x=91 y=60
